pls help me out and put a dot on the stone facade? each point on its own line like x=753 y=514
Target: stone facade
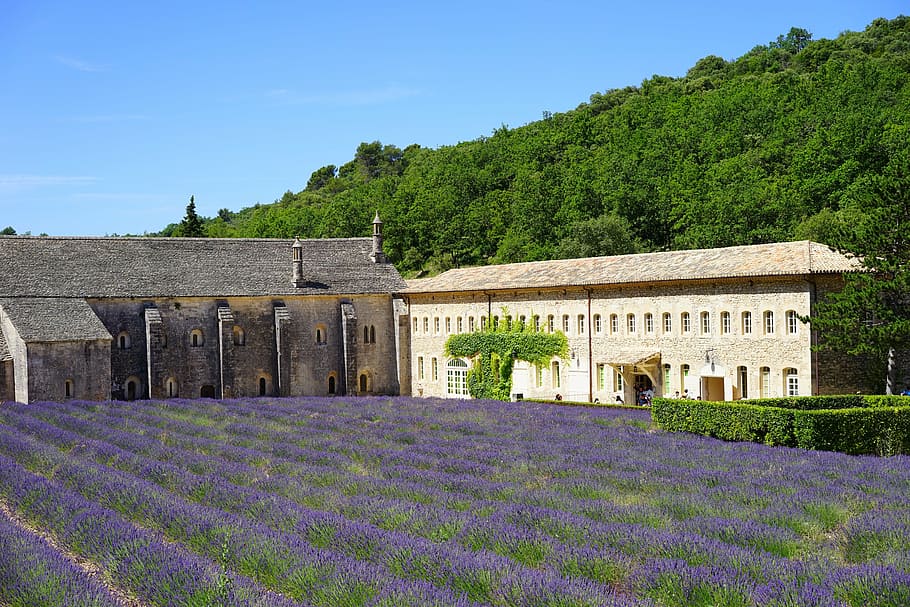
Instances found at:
x=721 y=325
x=130 y=318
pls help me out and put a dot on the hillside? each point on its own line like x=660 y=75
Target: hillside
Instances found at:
x=766 y=147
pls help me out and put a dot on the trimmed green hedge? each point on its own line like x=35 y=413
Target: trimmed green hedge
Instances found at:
x=852 y=424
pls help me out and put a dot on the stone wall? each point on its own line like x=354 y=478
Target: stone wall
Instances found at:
x=82 y=368
x=233 y=347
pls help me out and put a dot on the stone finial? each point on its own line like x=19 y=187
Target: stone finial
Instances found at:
x=297 y=250
x=377 y=255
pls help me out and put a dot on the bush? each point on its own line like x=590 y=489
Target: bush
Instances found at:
x=853 y=424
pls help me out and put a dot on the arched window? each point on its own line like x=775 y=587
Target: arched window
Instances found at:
x=551 y=326
x=459 y=325
x=742 y=374
x=565 y=324
x=598 y=324
x=470 y=324
x=263 y=386
x=792 y=322
x=686 y=322
x=434 y=369
x=747 y=323
x=706 y=323
x=614 y=324
x=580 y=322
x=668 y=322
x=630 y=322
x=170 y=387
x=372 y=334
x=123 y=340
x=197 y=338
x=366 y=335
x=239 y=336
x=765 y=373
x=132 y=387
x=769 y=322
x=649 y=323
x=68 y=389
x=365 y=381
x=725 y=324
x=321 y=334
x=457 y=377
x=555 y=379
x=332 y=388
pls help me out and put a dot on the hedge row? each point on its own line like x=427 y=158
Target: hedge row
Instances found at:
x=873 y=425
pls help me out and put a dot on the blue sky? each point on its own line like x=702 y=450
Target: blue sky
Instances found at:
x=113 y=113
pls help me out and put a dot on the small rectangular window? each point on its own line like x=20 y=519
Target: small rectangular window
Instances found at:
x=420 y=367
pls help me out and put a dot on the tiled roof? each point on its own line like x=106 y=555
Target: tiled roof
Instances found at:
x=53 y=319
x=187 y=267
x=775 y=259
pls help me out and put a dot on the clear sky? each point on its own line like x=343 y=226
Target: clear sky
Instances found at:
x=113 y=113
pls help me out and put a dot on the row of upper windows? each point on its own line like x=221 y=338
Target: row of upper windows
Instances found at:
x=629 y=325
x=197 y=337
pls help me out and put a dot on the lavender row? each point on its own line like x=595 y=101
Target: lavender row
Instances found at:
x=158 y=573
x=34 y=574
x=485 y=577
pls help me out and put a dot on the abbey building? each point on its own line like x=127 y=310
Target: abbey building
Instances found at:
x=131 y=318
x=128 y=318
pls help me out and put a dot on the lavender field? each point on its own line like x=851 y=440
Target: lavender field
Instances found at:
x=405 y=502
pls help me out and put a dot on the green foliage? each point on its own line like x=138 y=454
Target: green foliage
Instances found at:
x=850 y=424
x=495 y=350
x=871 y=315
x=191 y=224
x=8 y=231
x=766 y=147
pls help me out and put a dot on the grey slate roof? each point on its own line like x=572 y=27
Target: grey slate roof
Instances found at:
x=775 y=259
x=187 y=267
x=54 y=319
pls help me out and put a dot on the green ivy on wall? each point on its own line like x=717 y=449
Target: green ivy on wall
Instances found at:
x=495 y=350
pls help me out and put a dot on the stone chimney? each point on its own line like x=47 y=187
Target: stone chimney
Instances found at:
x=297 y=250
x=377 y=255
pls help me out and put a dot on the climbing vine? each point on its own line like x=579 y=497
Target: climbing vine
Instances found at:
x=495 y=350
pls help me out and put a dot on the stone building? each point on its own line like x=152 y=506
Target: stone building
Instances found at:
x=127 y=318
x=721 y=324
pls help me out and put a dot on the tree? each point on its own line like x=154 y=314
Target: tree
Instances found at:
x=871 y=315
x=321 y=178
x=8 y=231
x=191 y=224
x=604 y=235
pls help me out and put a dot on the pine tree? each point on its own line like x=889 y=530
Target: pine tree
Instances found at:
x=871 y=315
x=191 y=224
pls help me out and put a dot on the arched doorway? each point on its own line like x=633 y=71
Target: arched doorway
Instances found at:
x=207 y=391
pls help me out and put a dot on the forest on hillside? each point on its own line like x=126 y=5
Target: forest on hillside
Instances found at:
x=767 y=147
